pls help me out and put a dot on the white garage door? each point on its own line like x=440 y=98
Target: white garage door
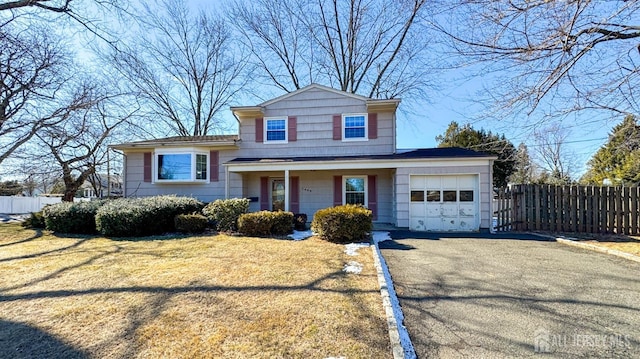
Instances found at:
x=444 y=203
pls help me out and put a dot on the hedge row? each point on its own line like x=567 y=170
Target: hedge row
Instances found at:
x=266 y=223
x=133 y=217
x=161 y=214
x=343 y=224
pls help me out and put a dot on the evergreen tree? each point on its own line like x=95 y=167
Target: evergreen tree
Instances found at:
x=618 y=160
x=482 y=141
x=523 y=168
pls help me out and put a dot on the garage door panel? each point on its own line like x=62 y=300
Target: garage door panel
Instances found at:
x=467 y=182
x=467 y=210
x=433 y=181
x=449 y=210
x=417 y=183
x=434 y=210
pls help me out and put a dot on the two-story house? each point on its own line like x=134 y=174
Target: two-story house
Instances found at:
x=314 y=148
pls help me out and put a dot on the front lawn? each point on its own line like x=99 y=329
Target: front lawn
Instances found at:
x=185 y=297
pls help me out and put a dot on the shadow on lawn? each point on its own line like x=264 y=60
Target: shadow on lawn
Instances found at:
x=18 y=340
x=315 y=285
x=37 y=235
x=57 y=250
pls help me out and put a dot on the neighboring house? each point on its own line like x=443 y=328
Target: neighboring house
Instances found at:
x=101 y=185
x=314 y=148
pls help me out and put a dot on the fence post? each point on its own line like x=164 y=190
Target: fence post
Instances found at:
x=634 y=210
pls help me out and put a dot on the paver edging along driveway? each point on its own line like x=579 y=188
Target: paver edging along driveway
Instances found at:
x=496 y=296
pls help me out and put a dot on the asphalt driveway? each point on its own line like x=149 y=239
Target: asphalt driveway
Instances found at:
x=502 y=297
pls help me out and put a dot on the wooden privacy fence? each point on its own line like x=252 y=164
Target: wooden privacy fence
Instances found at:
x=582 y=209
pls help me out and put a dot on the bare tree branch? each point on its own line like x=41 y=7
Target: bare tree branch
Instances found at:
x=183 y=66
x=552 y=57
x=374 y=48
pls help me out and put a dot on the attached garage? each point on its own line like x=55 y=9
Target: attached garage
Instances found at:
x=444 y=202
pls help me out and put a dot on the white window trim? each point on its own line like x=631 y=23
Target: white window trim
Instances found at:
x=286 y=129
x=193 y=152
x=366 y=127
x=366 y=189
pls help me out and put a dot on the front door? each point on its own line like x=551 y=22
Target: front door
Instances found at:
x=277 y=194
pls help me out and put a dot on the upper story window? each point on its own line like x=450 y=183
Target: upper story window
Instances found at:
x=181 y=167
x=354 y=127
x=275 y=130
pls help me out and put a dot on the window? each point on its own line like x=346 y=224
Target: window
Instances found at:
x=355 y=190
x=466 y=196
x=354 y=127
x=201 y=167
x=182 y=167
x=449 y=196
x=417 y=196
x=275 y=130
x=433 y=196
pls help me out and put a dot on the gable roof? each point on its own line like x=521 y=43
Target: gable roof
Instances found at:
x=176 y=141
x=312 y=87
x=372 y=104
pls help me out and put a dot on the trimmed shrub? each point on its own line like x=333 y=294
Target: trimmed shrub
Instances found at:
x=300 y=221
x=35 y=220
x=255 y=223
x=343 y=224
x=132 y=217
x=265 y=223
x=72 y=217
x=226 y=212
x=190 y=223
x=281 y=223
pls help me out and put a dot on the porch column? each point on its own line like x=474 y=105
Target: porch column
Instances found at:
x=226 y=182
x=286 y=190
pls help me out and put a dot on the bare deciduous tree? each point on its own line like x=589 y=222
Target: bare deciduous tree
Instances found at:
x=374 y=48
x=183 y=66
x=78 y=143
x=31 y=73
x=555 y=57
x=556 y=159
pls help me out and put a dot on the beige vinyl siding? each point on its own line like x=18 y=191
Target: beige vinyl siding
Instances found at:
x=314 y=110
x=316 y=190
x=483 y=169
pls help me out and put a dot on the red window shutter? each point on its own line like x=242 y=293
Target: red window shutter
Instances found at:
x=264 y=193
x=259 y=129
x=373 y=125
x=337 y=127
x=214 y=166
x=147 y=166
x=294 y=198
x=337 y=190
x=292 y=123
x=373 y=196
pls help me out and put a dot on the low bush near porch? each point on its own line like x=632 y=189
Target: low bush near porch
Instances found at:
x=265 y=223
x=190 y=223
x=226 y=212
x=343 y=224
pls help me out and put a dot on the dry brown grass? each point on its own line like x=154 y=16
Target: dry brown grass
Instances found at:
x=627 y=244
x=191 y=297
